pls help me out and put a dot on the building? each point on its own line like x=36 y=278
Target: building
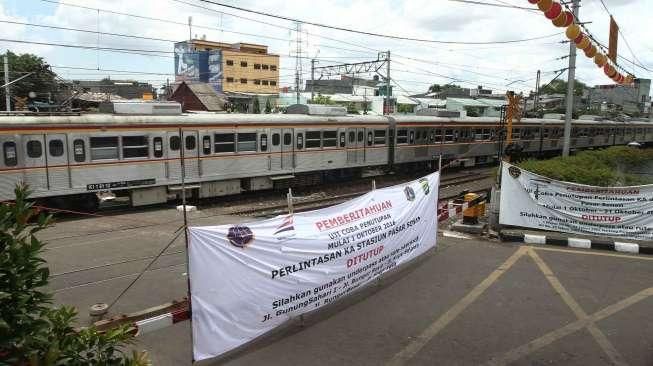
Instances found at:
x=126 y=89
x=632 y=99
x=197 y=97
x=344 y=85
x=481 y=107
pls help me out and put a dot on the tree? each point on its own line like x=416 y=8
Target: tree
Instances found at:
x=351 y=108
x=31 y=331
x=268 y=106
x=42 y=81
x=558 y=86
x=321 y=99
x=257 y=106
x=435 y=88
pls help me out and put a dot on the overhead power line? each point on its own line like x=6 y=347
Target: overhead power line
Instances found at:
x=503 y=5
x=350 y=30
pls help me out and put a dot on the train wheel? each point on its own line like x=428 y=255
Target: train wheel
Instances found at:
x=88 y=202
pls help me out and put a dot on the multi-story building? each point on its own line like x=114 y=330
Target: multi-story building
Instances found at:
x=631 y=99
x=230 y=68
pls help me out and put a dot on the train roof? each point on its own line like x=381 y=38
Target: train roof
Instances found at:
x=244 y=119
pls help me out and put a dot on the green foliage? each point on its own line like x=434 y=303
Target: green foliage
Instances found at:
x=257 y=106
x=405 y=108
x=473 y=111
x=31 y=331
x=559 y=86
x=42 y=81
x=607 y=167
x=268 y=106
x=351 y=108
x=321 y=99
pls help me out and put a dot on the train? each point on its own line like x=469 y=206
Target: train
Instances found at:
x=67 y=160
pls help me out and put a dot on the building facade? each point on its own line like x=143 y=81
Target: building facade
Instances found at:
x=633 y=99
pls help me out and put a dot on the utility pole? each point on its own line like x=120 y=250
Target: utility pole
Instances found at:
x=7 y=87
x=571 y=74
x=536 y=100
x=387 y=90
x=298 y=61
x=190 y=28
x=313 y=61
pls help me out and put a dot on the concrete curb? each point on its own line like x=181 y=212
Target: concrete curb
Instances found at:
x=600 y=244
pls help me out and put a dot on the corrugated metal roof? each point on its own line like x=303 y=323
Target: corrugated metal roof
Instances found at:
x=207 y=96
x=405 y=100
x=481 y=102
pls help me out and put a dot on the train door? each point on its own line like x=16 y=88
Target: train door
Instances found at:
x=360 y=145
x=287 y=149
x=352 y=150
x=173 y=163
x=275 y=149
x=57 y=162
x=191 y=154
x=35 y=174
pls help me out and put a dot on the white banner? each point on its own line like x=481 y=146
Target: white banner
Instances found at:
x=247 y=279
x=530 y=200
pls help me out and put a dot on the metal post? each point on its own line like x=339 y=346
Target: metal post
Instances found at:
x=291 y=209
x=373 y=184
x=571 y=72
x=536 y=100
x=7 y=88
x=387 y=91
x=313 y=61
x=439 y=163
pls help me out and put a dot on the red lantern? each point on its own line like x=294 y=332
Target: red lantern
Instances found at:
x=573 y=31
x=555 y=10
x=579 y=39
x=533 y=1
x=591 y=51
x=570 y=18
x=560 y=20
x=545 y=5
x=609 y=71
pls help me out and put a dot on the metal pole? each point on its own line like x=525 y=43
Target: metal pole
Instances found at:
x=313 y=61
x=7 y=88
x=387 y=91
x=183 y=204
x=536 y=101
x=571 y=72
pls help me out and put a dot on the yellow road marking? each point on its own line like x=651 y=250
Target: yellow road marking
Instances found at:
x=588 y=252
x=534 y=345
x=600 y=338
x=418 y=343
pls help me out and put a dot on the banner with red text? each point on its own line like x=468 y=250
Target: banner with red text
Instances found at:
x=247 y=279
x=530 y=200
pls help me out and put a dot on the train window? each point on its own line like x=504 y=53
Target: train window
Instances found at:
x=103 y=148
x=246 y=141
x=79 y=152
x=206 y=145
x=55 y=147
x=432 y=136
x=264 y=142
x=224 y=142
x=370 y=138
x=402 y=136
x=300 y=141
x=313 y=139
x=448 y=136
x=175 y=143
x=545 y=133
x=342 y=139
x=411 y=140
x=478 y=134
x=158 y=147
x=9 y=149
x=287 y=138
x=379 y=137
x=438 y=135
x=330 y=139
x=276 y=139
x=135 y=147
x=34 y=149
x=191 y=142
x=516 y=133
x=352 y=137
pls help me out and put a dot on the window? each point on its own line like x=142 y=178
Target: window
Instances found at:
x=134 y=147
x=223 y=142
x=79 y=152
x=402 y=136
x=352 y=137
x=379 y=137
x=276 y=139
x=55 y=147
x=191 y=143
x=206 y=145
x=243 y=81
x=158 y=147
x=230 y=80
x=264 y=142
x=174 y=142
x=34 y=149
x=9 y=149
x=257 y=66
x=330 y=138
x=438 y=135
x=313 y=139
x=273 y=67
x=360 y=136
x=342 y=139
x=230 y=62
x=243 y=63
x=257 y=82
x=300 y=141
x=265 y=67
x=103 y=148
x=287 y=139
x=370 y=138
x=246 y=142
x=516 y=133
x=265 y=82
x=273 y=83
x=412 y=137
x=448 y=136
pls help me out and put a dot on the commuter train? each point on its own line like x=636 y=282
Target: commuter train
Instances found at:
x=67 y=160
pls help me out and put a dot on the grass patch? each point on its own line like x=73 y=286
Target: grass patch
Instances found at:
x=614 y=166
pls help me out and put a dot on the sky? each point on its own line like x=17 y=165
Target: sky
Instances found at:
x=414 y=65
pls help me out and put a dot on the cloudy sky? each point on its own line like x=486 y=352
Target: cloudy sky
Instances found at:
x=415 y=65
